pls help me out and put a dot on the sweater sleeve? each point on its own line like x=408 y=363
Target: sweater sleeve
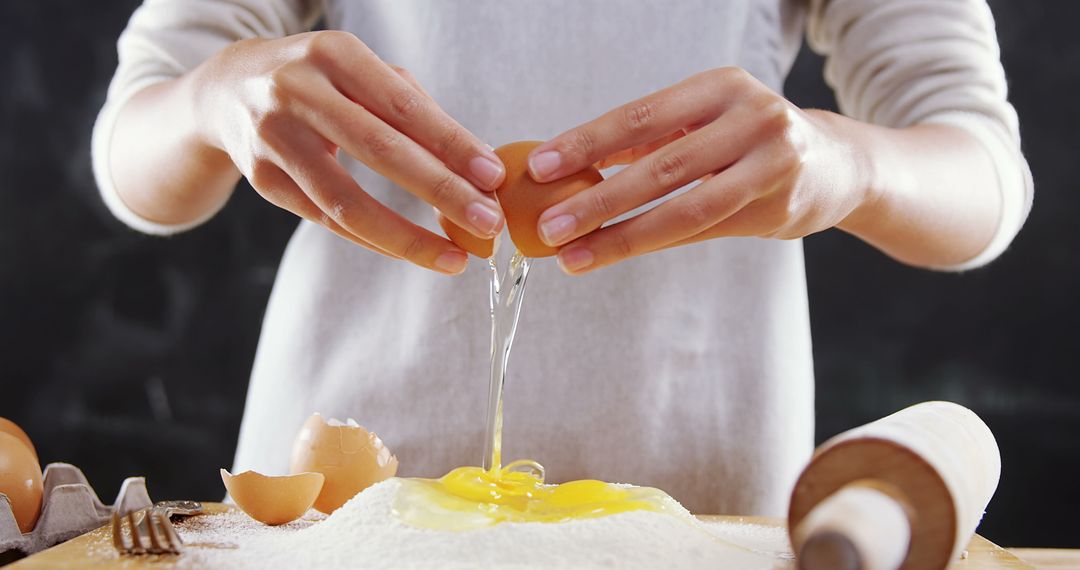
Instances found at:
x=903 y=62
x=163 y=40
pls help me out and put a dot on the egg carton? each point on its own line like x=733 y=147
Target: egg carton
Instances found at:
x=71 y=507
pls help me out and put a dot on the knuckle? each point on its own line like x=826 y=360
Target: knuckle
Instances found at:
x=451 y=141
x=773 y=218
x=444 y=191
x=788 y=159
x=329 y=43
x=279 y=83
x=265 y=123
x=696 y=214
x=667 y=169
x=262 y=175
x=736 y=75
x=710 y=77
x=404 y=72
x=776 y=116
x=637 y=117
x=620 y=245
x=581 y=145
x=405 y=104
x=414 y=248
x=381 y=146
x=278 y=92
x=602 y=204
x=338 y=213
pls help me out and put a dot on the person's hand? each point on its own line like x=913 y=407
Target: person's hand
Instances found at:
x=282 y=108
x=766 y=168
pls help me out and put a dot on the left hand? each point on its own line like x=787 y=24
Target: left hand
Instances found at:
x=767 y=168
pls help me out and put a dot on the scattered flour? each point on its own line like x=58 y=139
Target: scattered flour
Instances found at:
x=365 y=534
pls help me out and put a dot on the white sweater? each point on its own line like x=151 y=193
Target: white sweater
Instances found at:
x=688 y=369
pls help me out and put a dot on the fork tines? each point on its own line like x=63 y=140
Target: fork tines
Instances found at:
x=155 y=536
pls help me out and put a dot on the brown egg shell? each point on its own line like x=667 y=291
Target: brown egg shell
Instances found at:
x=351 y=458
x=273 y=500
x=20 y=480
x=522 y=200
x=479 y=247
x=10 y=427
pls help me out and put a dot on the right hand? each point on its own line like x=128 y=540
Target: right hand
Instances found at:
x=281 y=108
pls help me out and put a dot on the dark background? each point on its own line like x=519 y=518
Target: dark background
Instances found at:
x=125 y=354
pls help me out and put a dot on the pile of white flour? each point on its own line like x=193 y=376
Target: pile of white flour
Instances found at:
x=364 y=533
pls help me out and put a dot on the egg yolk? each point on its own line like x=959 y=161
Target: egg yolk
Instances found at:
x=471 y=497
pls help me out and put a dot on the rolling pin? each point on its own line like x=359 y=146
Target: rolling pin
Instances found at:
x=905 y=491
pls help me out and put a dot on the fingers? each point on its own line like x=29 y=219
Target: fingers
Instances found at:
x=341 y=201
x=394 y=155
x=752 y=220
x=674 y=165
x=694 y=101
x=629 y=155
x=364 y=78
x=680 y=218
x=275 y=186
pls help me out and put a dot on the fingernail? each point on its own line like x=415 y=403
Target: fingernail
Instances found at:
x=486 y=219
x=557 y=229
x=575 y=259
x=452 y=262
x=486 y=171
x=543 y=165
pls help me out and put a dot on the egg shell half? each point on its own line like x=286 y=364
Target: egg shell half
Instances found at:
x=273 y=500
x=479 y=247
x=10 y=427
x=20 y=480
x=351 y=458
x=522 y=200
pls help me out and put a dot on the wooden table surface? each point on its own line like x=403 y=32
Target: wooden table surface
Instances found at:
x=94 y=550
x=1049 y=558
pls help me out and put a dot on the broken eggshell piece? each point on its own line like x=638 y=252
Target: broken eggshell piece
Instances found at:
x=351 y=458
x=523 y=200
x=273 y=500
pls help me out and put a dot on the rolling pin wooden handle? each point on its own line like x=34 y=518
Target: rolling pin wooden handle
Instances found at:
x=937 y=460
x=860 y=527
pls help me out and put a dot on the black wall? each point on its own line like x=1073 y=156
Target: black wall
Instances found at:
x=126 y=355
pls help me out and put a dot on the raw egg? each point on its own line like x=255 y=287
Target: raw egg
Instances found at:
x=522 y=200
x=10 y=427
x=273 y=500
x=20 y=480
x=470 y=497
x=351 y=458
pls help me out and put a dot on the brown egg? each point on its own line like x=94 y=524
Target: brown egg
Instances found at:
x=523 y=200
x=273 y=500
x=479 y=247
x=20 y=480
x=10 y=427
x=351 y=458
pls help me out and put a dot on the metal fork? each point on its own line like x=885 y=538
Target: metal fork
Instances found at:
x=157 y=536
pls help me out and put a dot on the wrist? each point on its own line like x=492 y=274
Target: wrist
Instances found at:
x=874 y=177
x=196 y=91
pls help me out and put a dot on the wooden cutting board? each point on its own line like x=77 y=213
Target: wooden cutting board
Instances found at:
x=94 y=550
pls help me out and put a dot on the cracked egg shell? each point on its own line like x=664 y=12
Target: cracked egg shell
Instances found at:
x=351 y=458
x=273 y=500
x=20 y=480
x=522 y=200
